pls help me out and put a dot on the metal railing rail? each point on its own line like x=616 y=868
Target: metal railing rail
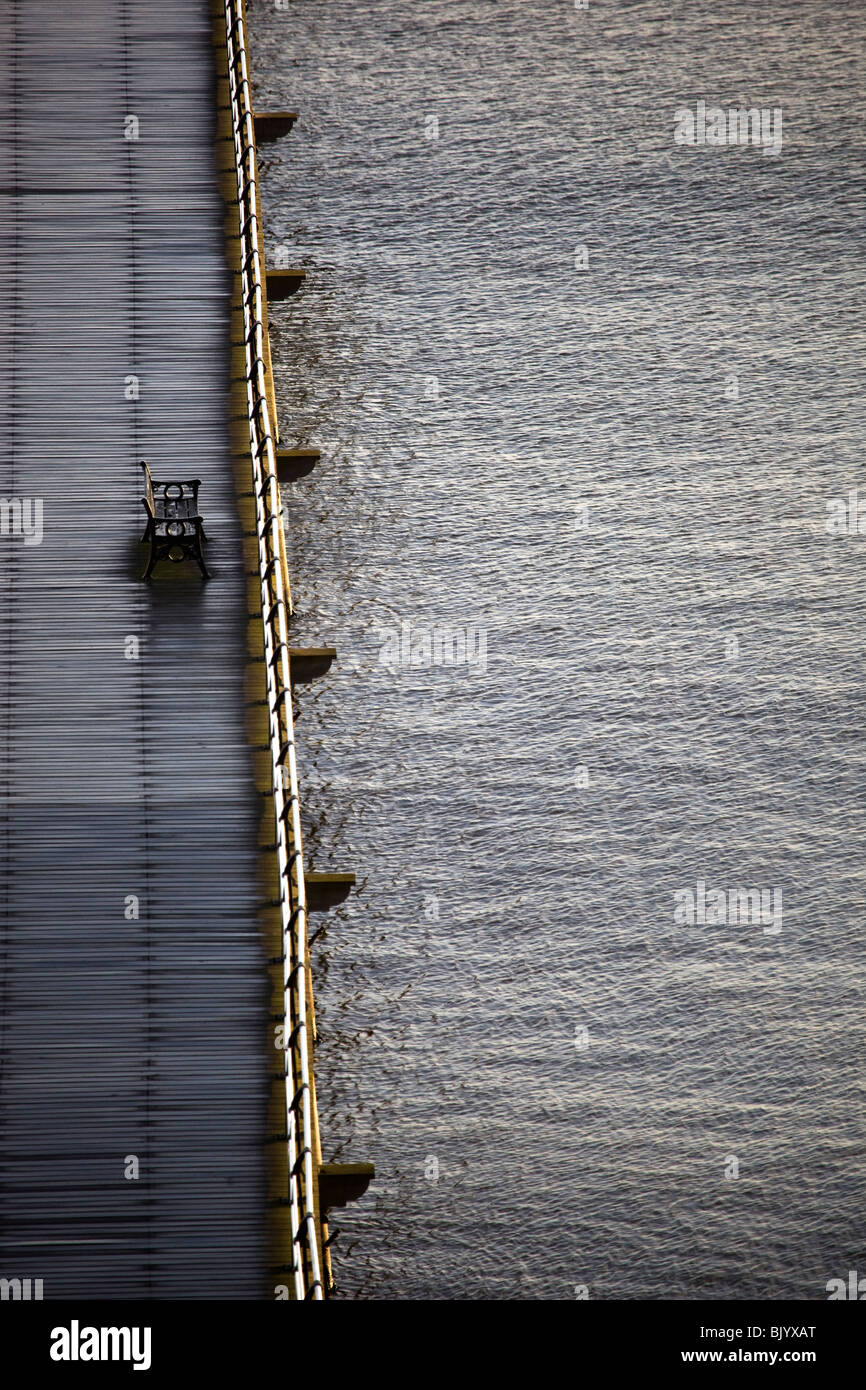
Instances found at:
x=306 y=1263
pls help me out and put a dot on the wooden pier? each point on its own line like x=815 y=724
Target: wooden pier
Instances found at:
x=152 y=901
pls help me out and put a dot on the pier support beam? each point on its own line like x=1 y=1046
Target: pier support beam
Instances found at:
x=295 y=463
x=340 y=1183
x=307 y=663
x=270 y=125
x=280 y=284
x=325 y=891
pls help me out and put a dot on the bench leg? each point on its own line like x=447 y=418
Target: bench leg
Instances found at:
x=198 y=552
x=199 y=559
x=151 y=560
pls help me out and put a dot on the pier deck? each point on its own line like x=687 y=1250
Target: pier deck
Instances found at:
x=133 y=991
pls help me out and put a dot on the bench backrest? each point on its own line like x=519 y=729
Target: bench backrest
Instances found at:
x=148 y=483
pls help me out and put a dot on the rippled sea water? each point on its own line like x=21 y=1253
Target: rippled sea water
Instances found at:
x=620 y=474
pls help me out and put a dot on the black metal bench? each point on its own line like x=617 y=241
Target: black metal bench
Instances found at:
x=174 y=526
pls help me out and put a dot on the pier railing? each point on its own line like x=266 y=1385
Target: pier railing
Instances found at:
x=306 y=1263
